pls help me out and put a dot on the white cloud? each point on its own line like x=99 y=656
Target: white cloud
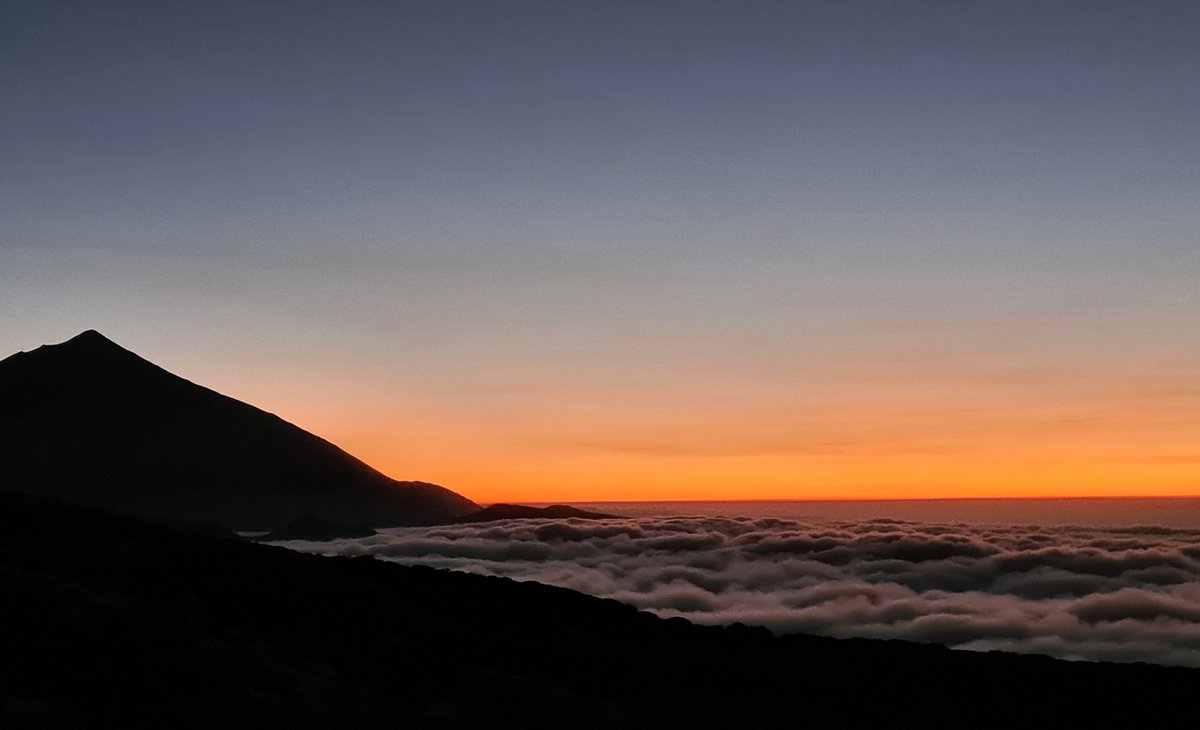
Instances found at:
x=1126 y=594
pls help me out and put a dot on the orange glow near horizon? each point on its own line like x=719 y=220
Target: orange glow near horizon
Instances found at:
x=1118 y=442
x=648 y=479
x=921 y=431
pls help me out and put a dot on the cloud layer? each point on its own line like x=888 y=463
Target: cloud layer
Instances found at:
x=1120 y=594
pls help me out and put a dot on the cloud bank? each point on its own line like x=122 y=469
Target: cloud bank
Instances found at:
x=1121 y=594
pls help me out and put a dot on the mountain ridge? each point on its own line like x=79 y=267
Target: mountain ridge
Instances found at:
x=507 y=511
x=91 y=421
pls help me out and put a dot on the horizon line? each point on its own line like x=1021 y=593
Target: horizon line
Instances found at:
x=777 y=500
x=860 y=499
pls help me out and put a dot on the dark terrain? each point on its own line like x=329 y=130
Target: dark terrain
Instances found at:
x=316 y=529
x=116 y=621
x=91 y=422
x=495 y=512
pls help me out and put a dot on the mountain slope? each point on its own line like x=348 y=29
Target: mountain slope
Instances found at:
x=118 y=622
x=89 y=421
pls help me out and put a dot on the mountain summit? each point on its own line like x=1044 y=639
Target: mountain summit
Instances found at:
x=89 y=421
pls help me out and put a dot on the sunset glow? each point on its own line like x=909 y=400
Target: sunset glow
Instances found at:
x=623 y=365
x=1003 y=441
x=637 y=252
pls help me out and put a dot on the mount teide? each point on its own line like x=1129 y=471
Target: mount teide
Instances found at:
x=89 y=421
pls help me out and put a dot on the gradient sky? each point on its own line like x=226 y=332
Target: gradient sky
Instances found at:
x=601 y=250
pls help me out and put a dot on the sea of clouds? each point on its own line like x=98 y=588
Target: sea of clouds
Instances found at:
x=1118 y=594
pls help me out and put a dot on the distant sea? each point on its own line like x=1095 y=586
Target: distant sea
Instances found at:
x=1094 y=512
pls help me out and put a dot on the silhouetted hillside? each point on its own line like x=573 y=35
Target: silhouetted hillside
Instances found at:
x=118 y=622
x=523 y=512
x=316 y=529
x=89 y=421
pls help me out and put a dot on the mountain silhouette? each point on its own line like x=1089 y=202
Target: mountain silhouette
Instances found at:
x=503 y=511
x=89 y=421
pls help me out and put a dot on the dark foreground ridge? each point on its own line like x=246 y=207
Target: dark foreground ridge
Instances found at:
x=317 y=530
x=89 y=421
x=495 y=512
x=119 y=622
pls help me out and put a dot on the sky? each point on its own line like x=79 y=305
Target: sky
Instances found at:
x=555 y=251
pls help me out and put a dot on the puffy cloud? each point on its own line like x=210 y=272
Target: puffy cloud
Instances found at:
x=1121 y=594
